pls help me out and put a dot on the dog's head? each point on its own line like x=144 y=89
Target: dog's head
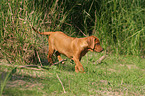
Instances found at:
x=94 y=44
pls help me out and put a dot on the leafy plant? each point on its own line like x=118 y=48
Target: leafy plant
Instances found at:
x=5 y=77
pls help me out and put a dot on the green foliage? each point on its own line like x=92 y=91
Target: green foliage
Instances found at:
x=4 y=78
x=116 y=75
x=118 y=24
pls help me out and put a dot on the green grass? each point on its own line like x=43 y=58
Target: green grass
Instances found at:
x=116 y=75
x=119 y=24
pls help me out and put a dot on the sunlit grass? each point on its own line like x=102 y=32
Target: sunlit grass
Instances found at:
x=115 y=75
x=119 y=24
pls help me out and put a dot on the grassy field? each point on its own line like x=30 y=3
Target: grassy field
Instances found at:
x=116 y=75
x=119 y=24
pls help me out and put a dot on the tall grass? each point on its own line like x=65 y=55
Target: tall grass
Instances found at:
x=118 y=24
x=18 y=42
x=4 y=78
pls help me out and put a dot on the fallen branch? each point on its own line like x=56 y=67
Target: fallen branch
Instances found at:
x=61 y=83
x=39 y=58
x=36 y=66
x=101 y=59
x=58 y=62
x=26 y=66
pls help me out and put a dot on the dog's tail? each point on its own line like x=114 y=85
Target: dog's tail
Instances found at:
x=42 y=33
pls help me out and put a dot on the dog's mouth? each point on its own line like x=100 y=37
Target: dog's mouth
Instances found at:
x=100 y=50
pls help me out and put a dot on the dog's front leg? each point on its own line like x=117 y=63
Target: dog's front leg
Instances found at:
x=78 y=66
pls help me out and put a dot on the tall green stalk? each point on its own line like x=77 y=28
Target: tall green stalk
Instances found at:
x=5 y=77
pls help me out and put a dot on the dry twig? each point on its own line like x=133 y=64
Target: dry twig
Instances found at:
x=58 y=62
x=61 y=83
x=30 y=66
x=39 y=58
x=101 y=59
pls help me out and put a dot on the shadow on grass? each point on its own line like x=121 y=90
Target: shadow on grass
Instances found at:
x=103 y=63
x=16 y=84
x=68 y=65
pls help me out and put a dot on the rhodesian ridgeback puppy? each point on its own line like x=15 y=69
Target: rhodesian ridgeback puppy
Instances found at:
x=73 y=48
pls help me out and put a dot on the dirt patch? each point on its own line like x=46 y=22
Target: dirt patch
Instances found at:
x=112 y=70
x=132 y=67
x=16 y=83
x=110 y=93
x=23 y=84
x=107 y=93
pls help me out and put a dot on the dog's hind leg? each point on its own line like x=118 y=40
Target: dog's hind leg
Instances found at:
x=59 y=57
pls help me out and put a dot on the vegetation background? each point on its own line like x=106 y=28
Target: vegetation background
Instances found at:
x=119 y=24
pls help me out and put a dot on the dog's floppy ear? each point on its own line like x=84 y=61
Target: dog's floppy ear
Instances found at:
x=91 y=42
